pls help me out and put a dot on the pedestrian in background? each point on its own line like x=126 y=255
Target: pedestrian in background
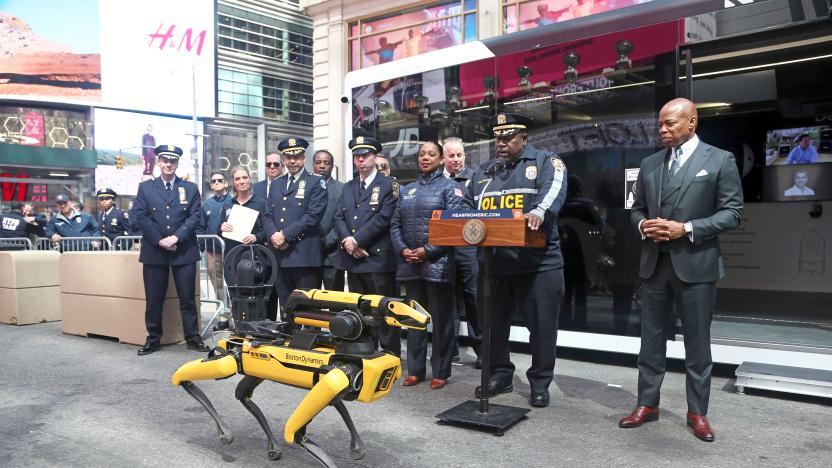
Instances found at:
x=211 y=208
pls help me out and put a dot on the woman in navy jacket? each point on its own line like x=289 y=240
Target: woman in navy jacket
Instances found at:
x=426 y=271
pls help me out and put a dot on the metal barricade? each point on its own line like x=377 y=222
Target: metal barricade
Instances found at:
x=74 y=244
x=16 y=243
x=127 y=242
x=212 y=288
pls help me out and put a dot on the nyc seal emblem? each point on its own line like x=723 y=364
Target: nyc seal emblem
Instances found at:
x=531 y=172
x=473 y=232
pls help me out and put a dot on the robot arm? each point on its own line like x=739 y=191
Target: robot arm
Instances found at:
x=316 y=307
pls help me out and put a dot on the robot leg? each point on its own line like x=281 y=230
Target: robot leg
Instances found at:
x=356 y=444
x=243 y=393
x=226 y=437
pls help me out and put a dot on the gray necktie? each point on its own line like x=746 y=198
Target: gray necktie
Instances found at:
x=676 y=161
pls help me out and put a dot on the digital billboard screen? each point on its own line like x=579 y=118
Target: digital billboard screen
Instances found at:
x=153 y=55
x=125 y=140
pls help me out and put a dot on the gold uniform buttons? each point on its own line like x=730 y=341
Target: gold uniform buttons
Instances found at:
x=283 y=209
x=355 y=217
x=285 y=198
x=281 y=220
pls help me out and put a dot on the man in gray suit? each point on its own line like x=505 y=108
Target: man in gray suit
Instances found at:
x=322 y=164
x=686 y=195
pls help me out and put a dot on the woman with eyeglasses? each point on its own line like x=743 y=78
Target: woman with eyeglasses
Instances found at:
x=427 y=271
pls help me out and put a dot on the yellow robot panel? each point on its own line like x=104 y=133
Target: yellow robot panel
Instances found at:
x=330 y=385
x=412 y=315
x=379 y=376
x=285 y=365
x=205 y=369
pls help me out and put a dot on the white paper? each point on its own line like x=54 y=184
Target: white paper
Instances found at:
x=243 y=220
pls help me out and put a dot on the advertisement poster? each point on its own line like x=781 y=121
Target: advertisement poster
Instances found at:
x=792 y=254
x=543 y=12
x=50 y=49
x=439 y=32
x=154 y=56
x=125 y=142
x=630 y=177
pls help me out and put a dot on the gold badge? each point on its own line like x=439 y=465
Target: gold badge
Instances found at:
x=374 y=196
x=501 y=119
x=170 y=148
x=292 y=142
x=126 y=216
x=301 y=189
x=114 y=222
x=78 y=220
x=559 y=165
x=473 y=232
x=359 y=140
x=531 y=172
x=396 y=188
x=183 y=197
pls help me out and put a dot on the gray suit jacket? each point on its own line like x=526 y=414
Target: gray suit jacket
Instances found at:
x=329 y=237
x=710 y=198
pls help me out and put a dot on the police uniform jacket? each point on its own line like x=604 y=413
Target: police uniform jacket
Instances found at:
x=366 y=217
x=297 y=211
x=160 y=213
x=114 y=223
x=76 y=225
x=409 y=227
x=13 y=225
x=536 y=183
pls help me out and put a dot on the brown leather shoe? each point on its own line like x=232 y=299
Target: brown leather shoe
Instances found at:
x=701 y=428
x=639 y=416
x=436 y=384
x=412 y=380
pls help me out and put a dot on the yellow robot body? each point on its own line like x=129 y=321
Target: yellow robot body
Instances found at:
x=284 y=364
x=206 y=369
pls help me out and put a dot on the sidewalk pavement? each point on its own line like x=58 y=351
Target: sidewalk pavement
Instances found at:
x=73 y=401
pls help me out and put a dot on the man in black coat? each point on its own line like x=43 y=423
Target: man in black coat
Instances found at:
x=322 y=163
x=362 y=220
x=167 y=211
x=686 y=195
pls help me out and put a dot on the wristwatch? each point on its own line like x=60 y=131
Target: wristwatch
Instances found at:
x=689 y=230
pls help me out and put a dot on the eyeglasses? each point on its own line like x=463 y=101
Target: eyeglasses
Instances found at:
x=382 y=166
x=273 y=164
x=217 y=181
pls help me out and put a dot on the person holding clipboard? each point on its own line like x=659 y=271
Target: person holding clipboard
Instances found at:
x=241 y=222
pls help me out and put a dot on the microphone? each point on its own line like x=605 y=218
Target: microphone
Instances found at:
x=497 y=165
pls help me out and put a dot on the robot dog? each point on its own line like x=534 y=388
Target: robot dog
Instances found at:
x=324 y=343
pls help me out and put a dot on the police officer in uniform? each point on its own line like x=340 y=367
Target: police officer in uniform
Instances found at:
x=362 y=220
x=13 y=225
x=528 y=280
x=68 y=222
x=112 y=221
x=297 y=201
x=167 y=212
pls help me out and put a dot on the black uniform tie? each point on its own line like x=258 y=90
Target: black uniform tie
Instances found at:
x=167 y=185
x=363 y=187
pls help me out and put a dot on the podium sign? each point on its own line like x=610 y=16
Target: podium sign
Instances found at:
x=495 y=228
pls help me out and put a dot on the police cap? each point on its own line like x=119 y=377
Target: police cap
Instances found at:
x=509 y=123
x=106 y=192
x=363 y=145
x=61 y=198
x=168 y=152
x=293 y=146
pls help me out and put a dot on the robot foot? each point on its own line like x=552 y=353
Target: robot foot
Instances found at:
x=356 y=444
x=316 y=451
x=243 y=392
x=225 y=435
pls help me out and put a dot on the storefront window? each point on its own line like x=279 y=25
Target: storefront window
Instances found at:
x=415 y=31
x=519 y=15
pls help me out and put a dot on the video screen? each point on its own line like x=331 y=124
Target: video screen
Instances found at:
x=797 y=182
x=124 y=142
x=804 y=145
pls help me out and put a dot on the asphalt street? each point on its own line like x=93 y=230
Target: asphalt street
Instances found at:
x=73 y=401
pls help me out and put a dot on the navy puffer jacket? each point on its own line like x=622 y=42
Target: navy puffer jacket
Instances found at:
x=409 y=227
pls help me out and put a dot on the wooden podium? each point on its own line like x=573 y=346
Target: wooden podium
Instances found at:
x=488 y=229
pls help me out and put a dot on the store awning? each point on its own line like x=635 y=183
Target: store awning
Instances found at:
x=41 y=156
